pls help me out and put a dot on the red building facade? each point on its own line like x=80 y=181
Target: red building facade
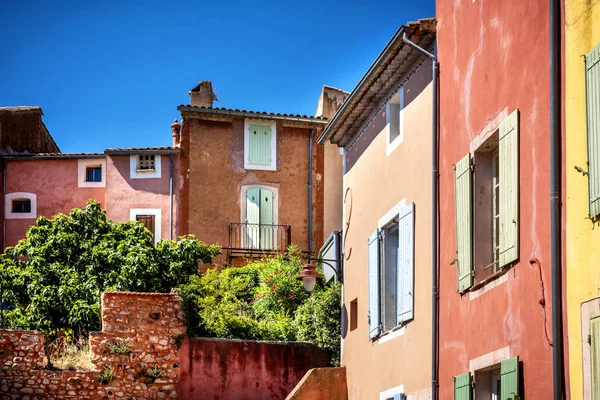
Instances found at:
x=495 y=314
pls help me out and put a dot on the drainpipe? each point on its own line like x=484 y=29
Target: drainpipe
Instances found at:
x=171 y=196
x=555 y=193
x=434 y=217
x=310 y=182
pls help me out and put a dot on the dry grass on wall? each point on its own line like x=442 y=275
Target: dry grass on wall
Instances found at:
x=70 y=354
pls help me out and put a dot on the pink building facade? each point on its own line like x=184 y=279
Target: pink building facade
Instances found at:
x=132 y=184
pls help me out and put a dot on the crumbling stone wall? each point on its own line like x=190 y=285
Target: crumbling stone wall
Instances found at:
x=147 y=367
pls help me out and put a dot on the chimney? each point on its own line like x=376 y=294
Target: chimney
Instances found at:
x=330 y=101
x=175 y=132
x=202 y=95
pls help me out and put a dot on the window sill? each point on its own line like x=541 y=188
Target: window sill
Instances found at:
x=488 y=283
x=141 y=171
x=391 y=334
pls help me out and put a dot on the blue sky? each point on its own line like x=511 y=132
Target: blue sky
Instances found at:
x=112 y=73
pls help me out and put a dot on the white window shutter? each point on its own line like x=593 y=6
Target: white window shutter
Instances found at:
x=406 y=264
x=509 y=188
x=374 y=279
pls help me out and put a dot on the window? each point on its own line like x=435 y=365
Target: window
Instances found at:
x=147 y=221
x=145 y=163
x=391 y=267
x=592 y=81
x=150 y=218
x=260 y=145
x=395 y=393
x=496 y=382
x=21 y=206
x=93 y=174
x=395 y=121
x=487 y=206
x=144 y=166
x=259 y=218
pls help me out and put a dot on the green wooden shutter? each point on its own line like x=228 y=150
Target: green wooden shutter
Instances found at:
x=509 y=188
x=462 y=387
x=252 y=218
x=595 y=356
x=259 y=148
x=592 y=92
x=266 y=219
x=509 y=378
x=464 y=244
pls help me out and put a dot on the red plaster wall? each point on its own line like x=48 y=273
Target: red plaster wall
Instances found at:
x=214 y=369
x=124 y=193
x=55 y=184
x=494 y=58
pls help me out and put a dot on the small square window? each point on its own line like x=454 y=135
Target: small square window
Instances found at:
x=146 y=162
x=93 y=174
x=21 y=206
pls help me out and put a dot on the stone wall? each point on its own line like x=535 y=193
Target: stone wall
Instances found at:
x=148 y=326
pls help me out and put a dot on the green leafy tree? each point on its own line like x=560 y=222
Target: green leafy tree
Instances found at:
x=55 y=276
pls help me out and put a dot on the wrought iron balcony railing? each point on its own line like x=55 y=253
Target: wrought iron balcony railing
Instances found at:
x=245 y=237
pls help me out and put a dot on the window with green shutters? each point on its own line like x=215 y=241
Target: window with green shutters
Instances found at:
x=486 y=186
x=496 y=382
x=259 y=145
x=592 y=90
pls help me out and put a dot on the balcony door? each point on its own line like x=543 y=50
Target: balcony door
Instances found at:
x=259 y=218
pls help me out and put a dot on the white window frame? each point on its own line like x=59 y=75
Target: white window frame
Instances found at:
x=243 y=204
x=386 y=394
x=8 y=199
x=136 y=173
x=156 y=212
x=391 y=146
x=396 y=331
x=83 y=165
x=247 y=165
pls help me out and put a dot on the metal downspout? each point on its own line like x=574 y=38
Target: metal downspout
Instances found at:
x=171 y=196
x=434 y=218
x=555 y=193
x=310 y=184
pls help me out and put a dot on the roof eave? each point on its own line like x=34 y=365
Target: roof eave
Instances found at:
x=357 y=93
x=141 y=151
x=246 y=114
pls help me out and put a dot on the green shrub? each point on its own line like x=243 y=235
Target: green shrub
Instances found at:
x=263 y=301
x=318 y=321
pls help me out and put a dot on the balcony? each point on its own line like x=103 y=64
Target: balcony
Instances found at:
x=256 y=239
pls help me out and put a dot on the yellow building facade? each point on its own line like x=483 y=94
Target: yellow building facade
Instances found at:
x=582 y=235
